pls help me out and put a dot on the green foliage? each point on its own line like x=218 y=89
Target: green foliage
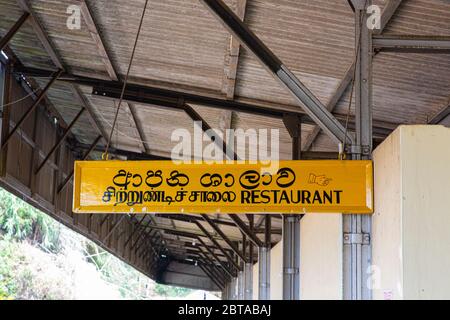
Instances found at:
x=29 y=273
x=25 y=271
x=19 y=220
x=8 y=260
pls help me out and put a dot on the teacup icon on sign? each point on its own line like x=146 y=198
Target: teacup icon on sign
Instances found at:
x=321 y=180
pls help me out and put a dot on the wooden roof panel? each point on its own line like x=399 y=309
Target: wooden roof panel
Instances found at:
x=25 y=45
x=75 y=46
x=180 y=41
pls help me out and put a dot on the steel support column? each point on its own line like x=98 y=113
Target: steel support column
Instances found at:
x=248 y=274
x=264 y=263
x=248 y=268
x=229 y=290
x=233 y=285
x=225 y=292
x=357 y=228
x=240 y=282
x=291 y=257
x=241 y=274
x=291 y=224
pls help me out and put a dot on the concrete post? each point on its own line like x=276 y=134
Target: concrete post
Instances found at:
x=264 y=273
x=248 y=294
x=241 y=285
x=291 y=257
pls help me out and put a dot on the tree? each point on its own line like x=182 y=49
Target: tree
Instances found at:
x=19 y=220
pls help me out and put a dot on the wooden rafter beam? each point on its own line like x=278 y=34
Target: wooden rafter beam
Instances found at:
x=46 y=43
x=54 y=56
x=40 y=33
x=110 y=68
x=232 y=55
x=101 y=50
x=231 y=66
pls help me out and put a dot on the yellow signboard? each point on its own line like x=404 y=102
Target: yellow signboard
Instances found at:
x=238 y=187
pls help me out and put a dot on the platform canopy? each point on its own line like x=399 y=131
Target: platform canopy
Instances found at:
x=188 y=67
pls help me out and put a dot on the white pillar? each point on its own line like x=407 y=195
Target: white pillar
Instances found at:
x=248 y=294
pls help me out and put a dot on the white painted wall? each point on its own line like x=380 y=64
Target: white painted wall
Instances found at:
x=255 y=281
x=320 y=264
x=386 y=221
x=321 y=257
x=276 y=272
x=411 y=224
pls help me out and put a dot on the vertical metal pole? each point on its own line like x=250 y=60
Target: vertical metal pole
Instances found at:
x=264 y=263
x=241 y=275
x=241 y=285
x=357 y=228
x=248 y=294
x=233 y=288
x=225 y=291
x=291 y=257
x=291 y=227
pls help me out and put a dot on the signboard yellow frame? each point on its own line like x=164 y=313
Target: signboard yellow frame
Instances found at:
x=297 y=186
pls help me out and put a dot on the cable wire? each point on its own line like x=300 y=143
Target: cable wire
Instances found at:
x=358 y=45
x=105 y=154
